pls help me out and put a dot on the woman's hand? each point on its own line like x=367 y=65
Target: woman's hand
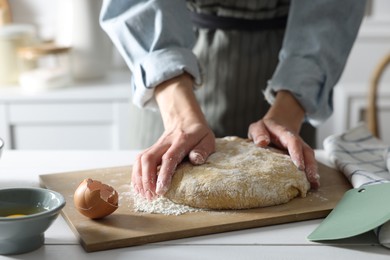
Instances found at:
x=186 y=133
x=281 y=126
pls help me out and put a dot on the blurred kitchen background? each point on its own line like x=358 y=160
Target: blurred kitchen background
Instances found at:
x=71 y=90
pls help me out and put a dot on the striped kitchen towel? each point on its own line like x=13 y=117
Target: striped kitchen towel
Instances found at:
x=365 y=160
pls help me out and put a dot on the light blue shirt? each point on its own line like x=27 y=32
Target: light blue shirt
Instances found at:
x=156 y=37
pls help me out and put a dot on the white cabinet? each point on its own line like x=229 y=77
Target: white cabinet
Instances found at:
x=89 y=115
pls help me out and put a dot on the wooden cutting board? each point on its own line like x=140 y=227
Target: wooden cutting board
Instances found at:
x=128 y=228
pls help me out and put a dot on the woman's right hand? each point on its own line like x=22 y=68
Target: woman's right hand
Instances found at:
x=186 y=134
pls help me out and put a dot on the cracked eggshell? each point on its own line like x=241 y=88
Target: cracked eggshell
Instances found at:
x=95 y=199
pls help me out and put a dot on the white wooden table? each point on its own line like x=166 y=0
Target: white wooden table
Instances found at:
x=287 y=241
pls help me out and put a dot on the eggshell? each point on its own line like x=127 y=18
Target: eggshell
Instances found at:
x=95 y=199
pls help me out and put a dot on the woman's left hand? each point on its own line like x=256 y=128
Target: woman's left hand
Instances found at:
x=280 y=126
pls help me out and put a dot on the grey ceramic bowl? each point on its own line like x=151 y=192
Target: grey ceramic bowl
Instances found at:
x=38 y=207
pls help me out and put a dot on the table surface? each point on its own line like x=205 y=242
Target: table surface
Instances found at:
x=286 y=241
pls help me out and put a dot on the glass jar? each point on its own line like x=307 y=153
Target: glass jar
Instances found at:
x=44 y=66
x=13 y=37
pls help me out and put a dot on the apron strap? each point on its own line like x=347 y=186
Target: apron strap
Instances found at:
x=214 y=22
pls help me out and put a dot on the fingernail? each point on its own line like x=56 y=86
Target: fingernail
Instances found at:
x=160 y=188
x=142 y=192
x=315 y=185
x=313 y=177
x=262 y=140
x=315 y=182
x=299 y=164
x=149 y=195
x=136 y=189
x=197 y=158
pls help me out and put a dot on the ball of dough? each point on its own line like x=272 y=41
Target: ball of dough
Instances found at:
x=239 y=175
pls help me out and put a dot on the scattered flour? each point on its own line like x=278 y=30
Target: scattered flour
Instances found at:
x=318 y=196
x=160 y=205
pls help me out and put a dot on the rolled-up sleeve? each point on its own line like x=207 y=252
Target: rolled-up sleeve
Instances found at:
x=318 y=40
x=155 y=38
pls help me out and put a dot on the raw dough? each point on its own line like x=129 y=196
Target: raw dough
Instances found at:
x=238 y=175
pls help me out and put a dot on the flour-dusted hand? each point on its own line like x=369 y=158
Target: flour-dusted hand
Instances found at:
x=154 y=168
x=186 y=134
x=280 y=126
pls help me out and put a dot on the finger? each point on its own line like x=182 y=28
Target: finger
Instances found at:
x=149 y=174
x=311 y=168
x=170 y=160
x=259 y=134
x=286 y=139
x=146 y=168
x=303 y=157
x=293 y=144
x=136 y=176
x=199 y=154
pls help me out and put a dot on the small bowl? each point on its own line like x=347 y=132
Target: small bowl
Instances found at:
x=32 y=211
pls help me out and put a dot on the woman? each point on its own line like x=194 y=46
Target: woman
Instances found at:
x=230 y=61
